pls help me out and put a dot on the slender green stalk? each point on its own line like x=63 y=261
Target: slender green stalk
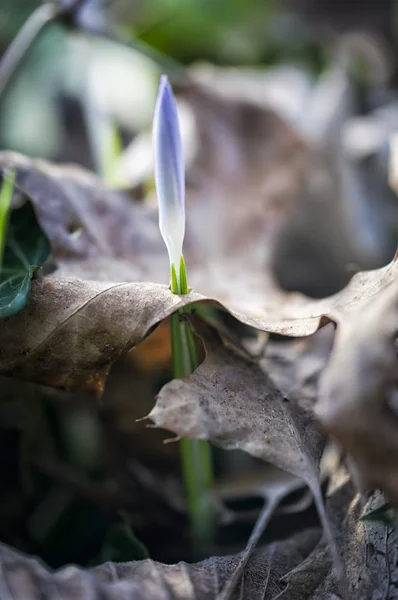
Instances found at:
x=18 y=50
x=113 y=149
x=195 y=454
x=6 y=192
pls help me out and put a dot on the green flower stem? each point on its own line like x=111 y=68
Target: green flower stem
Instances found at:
x=195 y=454
x=19 y=50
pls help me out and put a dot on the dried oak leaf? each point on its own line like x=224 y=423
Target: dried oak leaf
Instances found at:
x=356 y=403
x=72 y=330
x=23 y=578
x=230 y=401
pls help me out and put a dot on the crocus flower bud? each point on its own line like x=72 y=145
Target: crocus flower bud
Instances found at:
x=170 y=181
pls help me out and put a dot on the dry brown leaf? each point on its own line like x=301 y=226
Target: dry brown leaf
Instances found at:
x=296 y=365
x=356 y=391
x=95 y=232
x=293 y=204
x=72 y=330
x=314 y=579
x=23 y=578
x=231 y=402
x=368 y=550
x=279 y=488
x=306 y=578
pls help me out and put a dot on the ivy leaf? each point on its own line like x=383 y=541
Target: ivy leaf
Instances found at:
x=25 y=251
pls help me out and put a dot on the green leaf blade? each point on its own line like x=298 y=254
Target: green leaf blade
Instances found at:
x=26 y=249
x=6 y=193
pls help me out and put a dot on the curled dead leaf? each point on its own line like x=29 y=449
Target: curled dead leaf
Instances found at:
x=73 y=330
x=22 y=577
x=356 y=387
x=230 y=401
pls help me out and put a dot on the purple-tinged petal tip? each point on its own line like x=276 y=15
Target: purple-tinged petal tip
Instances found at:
x=169 y=170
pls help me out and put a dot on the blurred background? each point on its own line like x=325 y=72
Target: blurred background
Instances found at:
x=81 y=480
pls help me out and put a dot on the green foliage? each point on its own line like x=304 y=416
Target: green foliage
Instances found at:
x=179 y=285
x=6 y=193
x=26 y=249
x=384 y=514
x=232 y=30
x=121 y=545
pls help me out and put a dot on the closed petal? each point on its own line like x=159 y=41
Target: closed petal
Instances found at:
x=169 y=171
